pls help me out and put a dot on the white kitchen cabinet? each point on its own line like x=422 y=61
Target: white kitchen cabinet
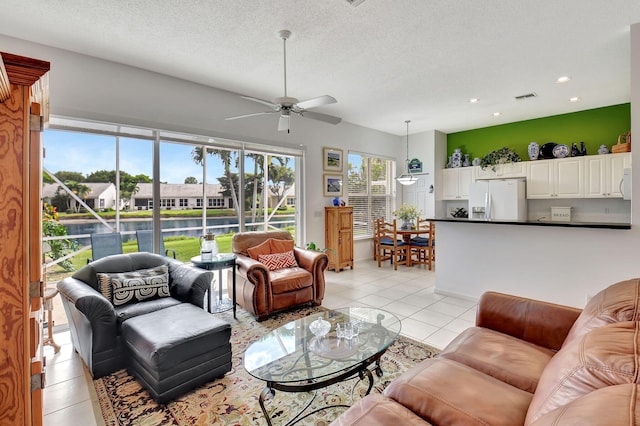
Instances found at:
x=557 y=178
x=456 y=182
x=502 y=171
x=603 y=175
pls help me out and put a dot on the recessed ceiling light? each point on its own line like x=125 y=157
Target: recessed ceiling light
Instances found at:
x=563 y=79
x=474 y=100
x=574 y=99
x=497 y=114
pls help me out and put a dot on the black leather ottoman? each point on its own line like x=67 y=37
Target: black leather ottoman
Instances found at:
x=176 y=349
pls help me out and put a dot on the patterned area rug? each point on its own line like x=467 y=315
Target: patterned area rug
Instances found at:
x=233 y=400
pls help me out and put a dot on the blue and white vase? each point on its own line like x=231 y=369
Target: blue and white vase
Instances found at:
x=533 y=150
x=456 y=158
x=466 y=162
x=603 y=150
x=476 y=161
x=575 y=152
x=407 y=224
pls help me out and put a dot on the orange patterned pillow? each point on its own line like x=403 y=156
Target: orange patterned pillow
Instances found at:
x=277 y=261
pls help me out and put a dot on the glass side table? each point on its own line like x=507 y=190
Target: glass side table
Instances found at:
x=218 y=263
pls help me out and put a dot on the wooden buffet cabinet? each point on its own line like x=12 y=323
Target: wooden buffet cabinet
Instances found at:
x=338 y=237
x=23 y=101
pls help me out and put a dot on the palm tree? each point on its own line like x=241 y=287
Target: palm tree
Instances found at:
x=226 y=156
x=78 y=189
x=281 y=176
x=257 y=175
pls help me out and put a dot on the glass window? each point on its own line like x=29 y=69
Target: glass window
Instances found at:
x=184 y=202
x=216 y=202
x=370 y=191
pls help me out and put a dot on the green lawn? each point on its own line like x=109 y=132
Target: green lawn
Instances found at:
x=185 y=248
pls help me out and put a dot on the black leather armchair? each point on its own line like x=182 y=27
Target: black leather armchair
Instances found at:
x=95 y=324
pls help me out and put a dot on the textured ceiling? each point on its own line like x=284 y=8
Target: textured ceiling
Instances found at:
x=385 y=61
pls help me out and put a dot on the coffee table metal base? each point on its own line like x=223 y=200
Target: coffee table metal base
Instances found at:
x=360 y=369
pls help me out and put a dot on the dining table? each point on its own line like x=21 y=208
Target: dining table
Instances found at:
x=407 y=234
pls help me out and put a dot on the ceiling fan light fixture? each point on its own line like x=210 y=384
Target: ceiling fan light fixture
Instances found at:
x=407 y=178
x=286 y=105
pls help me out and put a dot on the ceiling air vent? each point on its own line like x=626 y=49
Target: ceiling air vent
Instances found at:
x=355 y=3
x=526 y=96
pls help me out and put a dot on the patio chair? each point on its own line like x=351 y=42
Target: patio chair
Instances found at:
x=145 y=243
x=105 y=244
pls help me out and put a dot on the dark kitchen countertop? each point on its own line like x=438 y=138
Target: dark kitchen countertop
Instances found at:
x=597 y=225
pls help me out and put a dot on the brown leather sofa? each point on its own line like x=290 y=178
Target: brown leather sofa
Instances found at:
x=526 y=362
x=262 y=291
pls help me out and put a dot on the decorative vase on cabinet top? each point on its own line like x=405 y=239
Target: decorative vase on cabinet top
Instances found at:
x=456 y=158
x=603 y=149
x=574 y=150
x=583 y=149
x=533 y=150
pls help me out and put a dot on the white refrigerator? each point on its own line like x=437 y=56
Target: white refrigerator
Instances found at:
x=498 y=199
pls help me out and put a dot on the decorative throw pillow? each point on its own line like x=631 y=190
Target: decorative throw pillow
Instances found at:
x=281 y=246
x=138 y=289
x=277 y=261
x=260 y=249
x=270 y=246
x=105 y=279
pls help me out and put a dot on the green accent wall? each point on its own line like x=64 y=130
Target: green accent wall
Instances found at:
x=594 y=127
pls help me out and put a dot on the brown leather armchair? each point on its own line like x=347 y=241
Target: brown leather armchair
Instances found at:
x=263 y=292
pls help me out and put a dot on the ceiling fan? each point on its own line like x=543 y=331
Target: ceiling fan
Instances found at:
x=285 y=106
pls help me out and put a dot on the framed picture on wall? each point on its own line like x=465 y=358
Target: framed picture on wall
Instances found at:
x=332 y=185
x=332 y=159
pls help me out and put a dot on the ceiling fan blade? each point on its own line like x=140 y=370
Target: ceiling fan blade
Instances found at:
x=249 y=115
x=321 y=117
x=316 y=102
x=283 y=123
x=261 y=101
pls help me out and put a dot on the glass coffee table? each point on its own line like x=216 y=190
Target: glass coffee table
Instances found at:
x=292 y=359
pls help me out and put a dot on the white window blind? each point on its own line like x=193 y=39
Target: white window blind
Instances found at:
x=370 y=191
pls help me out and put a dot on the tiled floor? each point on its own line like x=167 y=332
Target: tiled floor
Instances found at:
x=69 y=396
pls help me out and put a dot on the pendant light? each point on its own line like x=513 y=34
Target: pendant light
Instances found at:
x=407 y=178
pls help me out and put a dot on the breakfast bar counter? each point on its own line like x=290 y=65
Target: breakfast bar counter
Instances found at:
x=597 y=225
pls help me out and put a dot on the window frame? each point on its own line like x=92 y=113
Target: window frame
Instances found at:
x=367 y=224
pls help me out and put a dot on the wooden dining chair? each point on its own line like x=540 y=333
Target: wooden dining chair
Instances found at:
x=422 y=248
x=390 y=247
x=377 y=225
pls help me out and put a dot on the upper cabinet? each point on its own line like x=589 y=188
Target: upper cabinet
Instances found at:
x=604 y=175
x=592 y=176
x=501 y=171
x=558 y=178
x=456 y=183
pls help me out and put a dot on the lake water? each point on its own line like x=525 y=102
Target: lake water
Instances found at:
x=223 y=226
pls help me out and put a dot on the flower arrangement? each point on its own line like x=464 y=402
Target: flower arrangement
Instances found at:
x=407 y=213
x=500 y=156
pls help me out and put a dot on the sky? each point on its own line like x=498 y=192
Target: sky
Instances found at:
x=87 y=153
